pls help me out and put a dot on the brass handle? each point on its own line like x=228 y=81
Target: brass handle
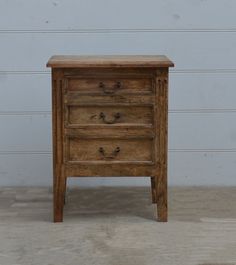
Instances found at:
x=103 y=117
x=110 y=90
x=112 y=155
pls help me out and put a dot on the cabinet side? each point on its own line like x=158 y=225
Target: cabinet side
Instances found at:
x=54 y=120
x=162 y=143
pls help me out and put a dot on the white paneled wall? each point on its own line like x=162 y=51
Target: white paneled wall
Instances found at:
x=198 y=35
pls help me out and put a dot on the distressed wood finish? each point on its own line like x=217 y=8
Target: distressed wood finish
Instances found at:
x=110 y=118
x=162 y=114
x=143 y=61
x=139 y=150
x=76 y=98
x=76 y=116
x=115 y=85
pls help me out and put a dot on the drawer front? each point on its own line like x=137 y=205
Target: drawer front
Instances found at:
x=79 y=150
x=108 y=115
x=109 y=85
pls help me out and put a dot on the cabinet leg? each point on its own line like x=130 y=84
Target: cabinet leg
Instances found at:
x=161 y=199
x=153 y=189
x=59 y=194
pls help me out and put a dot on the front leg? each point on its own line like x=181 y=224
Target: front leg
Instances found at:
x=59 y=194
x=161 y=198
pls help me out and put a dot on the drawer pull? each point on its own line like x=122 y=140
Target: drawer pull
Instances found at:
x=112 y=155
x=116 y=117
x=109 y=90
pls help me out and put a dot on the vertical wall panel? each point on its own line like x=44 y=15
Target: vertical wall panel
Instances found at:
x=199 y=36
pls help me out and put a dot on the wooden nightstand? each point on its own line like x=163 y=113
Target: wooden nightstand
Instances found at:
x=110 y=116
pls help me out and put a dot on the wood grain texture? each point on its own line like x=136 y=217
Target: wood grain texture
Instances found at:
x=54 y=124
x=59 y=169
x=108 y=115
x=110 y=86
x=108 y=131
x=76 y=98
x=161 y=176
x=109 y=150
x=64 y=61
x=110 y=122
x=110 y=169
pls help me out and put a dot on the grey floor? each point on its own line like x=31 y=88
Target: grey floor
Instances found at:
x=117 y=226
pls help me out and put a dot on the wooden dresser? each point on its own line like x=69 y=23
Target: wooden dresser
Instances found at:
x=110 y=118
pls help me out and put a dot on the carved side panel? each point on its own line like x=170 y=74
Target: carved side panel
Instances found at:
x=57 y=119
x=161 y=114
x=162 y=141
x=54 y=122
x=59 y=180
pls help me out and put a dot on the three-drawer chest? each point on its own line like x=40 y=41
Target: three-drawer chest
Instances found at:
x=110 y=118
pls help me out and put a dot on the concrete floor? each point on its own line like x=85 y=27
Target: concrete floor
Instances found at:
x=117 y=226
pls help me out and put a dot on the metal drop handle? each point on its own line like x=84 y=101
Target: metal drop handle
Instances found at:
x=115 y=118
x=112 y=155
x=107 y=90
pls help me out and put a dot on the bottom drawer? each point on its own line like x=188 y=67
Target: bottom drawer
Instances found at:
x=80 y=150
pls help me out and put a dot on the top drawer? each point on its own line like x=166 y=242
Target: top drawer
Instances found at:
x=110 y=85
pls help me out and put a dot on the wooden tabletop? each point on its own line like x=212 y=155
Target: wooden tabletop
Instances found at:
x=69 y=61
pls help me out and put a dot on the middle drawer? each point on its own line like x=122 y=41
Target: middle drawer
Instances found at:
x=76 y=115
